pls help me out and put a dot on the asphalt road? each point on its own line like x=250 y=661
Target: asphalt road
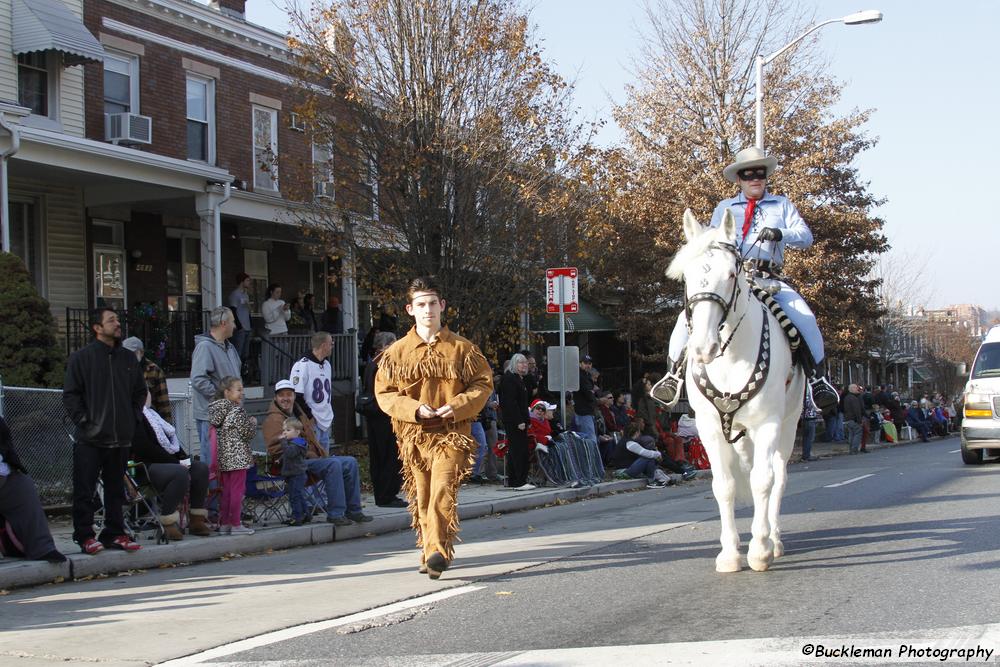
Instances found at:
x=897 y=547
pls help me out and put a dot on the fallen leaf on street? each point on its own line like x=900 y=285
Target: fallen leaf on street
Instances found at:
x=505 y=592
x=531 y=529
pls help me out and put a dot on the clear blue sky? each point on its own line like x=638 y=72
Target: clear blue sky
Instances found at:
x=929 y=72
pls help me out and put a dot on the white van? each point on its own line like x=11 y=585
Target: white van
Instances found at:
x=981 y=419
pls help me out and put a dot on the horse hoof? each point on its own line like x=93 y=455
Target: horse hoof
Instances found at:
x=779 y=549
x=728 y=563
x=760 y=564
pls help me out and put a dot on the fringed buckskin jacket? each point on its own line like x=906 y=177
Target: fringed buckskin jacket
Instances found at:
x=449 y=370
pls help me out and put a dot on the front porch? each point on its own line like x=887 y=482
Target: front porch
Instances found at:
x=168 y=337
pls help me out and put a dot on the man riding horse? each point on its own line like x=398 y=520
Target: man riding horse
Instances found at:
x=763 y=217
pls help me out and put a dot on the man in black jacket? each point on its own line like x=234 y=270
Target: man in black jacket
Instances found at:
x=103 y=394
x=584 y=401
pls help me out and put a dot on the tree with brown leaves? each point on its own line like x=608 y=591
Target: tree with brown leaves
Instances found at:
x=452 y=147
x=690 y=112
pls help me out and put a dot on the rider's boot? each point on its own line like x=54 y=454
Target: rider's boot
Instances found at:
x=824 y=394
x=668 y=389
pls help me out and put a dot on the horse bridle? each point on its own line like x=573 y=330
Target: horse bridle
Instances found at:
x=727 y=306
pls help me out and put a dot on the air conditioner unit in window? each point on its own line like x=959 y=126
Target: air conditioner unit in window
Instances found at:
x=324 y=190
x=128 y=128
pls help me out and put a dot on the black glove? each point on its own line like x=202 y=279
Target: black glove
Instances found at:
x=769 y=234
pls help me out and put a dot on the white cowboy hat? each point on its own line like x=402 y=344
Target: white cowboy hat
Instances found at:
x=747 y=159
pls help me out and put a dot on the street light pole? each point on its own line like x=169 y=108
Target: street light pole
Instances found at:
x=858 y=18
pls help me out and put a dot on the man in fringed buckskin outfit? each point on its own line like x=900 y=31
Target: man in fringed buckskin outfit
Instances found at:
x=433 y=383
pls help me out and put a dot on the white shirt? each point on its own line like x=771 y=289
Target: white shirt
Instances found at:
x=314 y=381
x=275 y=317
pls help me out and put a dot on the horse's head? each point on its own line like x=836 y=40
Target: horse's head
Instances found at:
x=708 y=264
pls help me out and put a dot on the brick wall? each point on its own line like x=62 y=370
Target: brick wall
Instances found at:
x=162 y=96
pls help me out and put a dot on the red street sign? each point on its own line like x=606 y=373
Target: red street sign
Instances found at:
x=567 y=277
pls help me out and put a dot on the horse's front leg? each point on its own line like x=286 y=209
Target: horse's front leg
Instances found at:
x=725 y=467
x=760 y=553
x=779 y=463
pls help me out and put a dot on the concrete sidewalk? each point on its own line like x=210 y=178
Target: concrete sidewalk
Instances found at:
x=473 y=501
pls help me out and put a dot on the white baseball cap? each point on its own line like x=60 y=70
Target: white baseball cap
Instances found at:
x=283 y=384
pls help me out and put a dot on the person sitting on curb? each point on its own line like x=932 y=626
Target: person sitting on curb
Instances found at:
x=339 y=473
x=24 y=530
x=637 y=457
x=172 y=473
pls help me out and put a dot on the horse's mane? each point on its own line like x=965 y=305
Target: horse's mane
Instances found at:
x=689 y=251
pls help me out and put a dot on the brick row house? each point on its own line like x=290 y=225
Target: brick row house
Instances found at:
x=150 y=153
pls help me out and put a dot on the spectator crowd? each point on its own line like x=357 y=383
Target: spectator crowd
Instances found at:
x=123 y=427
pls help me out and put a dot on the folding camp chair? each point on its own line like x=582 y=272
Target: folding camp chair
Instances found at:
x=266 y=497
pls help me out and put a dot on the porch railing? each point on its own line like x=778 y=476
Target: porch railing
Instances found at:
x=279 y=353
x=168 y=336
x=169 y=341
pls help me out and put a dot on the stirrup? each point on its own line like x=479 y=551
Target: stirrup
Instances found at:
x=668 y=390
x=824 y=395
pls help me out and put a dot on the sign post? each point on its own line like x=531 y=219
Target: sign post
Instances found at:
x=561 y=297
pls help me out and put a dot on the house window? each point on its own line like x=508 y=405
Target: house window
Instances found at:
x=255 y=264
x=323 y=169
x=311 y=277
x=25 y=240
x=201 y=119
x=121 y=83
x=265 y=148
x=33 y=82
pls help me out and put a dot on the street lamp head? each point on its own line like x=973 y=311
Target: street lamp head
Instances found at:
x=860 y=18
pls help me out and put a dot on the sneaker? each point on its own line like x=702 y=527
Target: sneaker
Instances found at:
x=292 y=522
x=358 y=517
x=621 y=474
x=240 y=530
x=125 y=543
x=225 y=530
x=339 y=521
x=525 y=487
x=395 y=502
x=656 y=484
x=91 y=546
x=688 y=475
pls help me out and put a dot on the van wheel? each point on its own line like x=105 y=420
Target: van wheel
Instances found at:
x=971 y=456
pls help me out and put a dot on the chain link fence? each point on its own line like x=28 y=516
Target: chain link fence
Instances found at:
x=41 y=434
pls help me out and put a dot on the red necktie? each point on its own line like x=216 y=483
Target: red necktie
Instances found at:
x=748 y=215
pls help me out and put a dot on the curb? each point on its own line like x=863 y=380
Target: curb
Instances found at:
x=21 y=573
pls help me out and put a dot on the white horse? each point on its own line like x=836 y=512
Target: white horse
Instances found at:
x=745 y=390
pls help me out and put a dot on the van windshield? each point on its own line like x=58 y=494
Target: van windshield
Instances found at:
x=987 y=361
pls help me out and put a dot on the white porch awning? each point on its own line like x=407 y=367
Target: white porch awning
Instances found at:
x=49 y=25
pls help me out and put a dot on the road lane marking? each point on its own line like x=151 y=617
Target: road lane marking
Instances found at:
x=977 y=644
x=849 y=481
x=955 y=451
x=309 y=628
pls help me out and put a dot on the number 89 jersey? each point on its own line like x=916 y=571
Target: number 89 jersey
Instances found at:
x=312 y=379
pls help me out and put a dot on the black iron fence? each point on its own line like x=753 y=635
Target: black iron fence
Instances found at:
x=168 y=336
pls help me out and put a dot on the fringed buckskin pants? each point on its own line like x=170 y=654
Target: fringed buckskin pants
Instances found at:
x=433 y=473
